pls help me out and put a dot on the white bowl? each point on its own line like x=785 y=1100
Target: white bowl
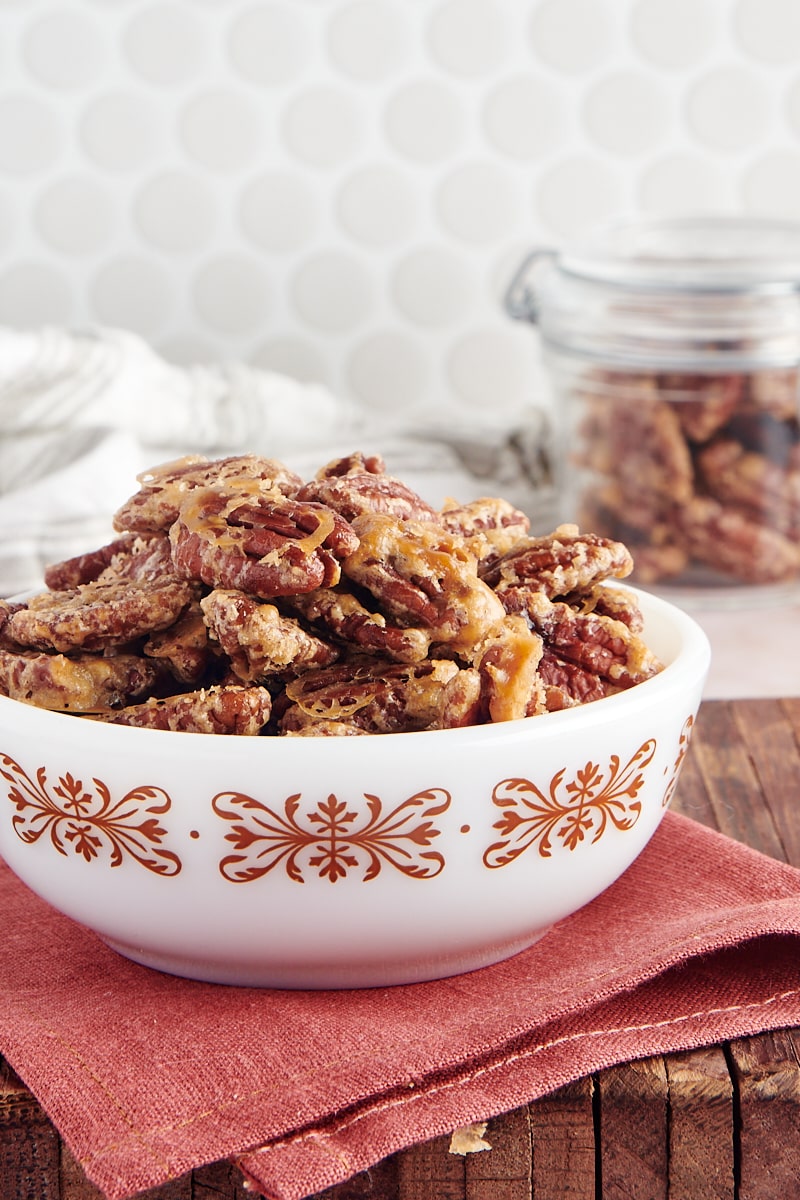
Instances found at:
x=345 y=862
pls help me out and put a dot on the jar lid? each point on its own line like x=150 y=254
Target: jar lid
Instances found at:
x=694 y=293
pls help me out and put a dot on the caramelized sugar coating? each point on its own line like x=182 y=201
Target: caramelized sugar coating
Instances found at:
x=425 y=577
x=136 y=593
x=242 y=711
x=259 y=642
x=385 y=698
x=79 y=683
x=259 y=543
x=155 y=507
x=239 y=600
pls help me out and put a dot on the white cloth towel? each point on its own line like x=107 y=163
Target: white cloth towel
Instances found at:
x=82 y=413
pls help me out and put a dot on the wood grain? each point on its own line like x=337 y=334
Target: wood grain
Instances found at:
x=701 y=1126
x=563 y=1143
x=634 y=1131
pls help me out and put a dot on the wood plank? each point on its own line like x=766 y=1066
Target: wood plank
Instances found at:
x=767 y=1077
x=74 y=1184
x=219 y=1181
x=430 y=1172
x=29 y=1145
x=377 y=1183
x=505 y=1171
x=634 y=1124
x=733 y=787
x=563 y=1143
x=767 y=734
x=701 y=1126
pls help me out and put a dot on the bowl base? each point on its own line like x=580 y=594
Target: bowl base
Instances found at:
x=327 y=976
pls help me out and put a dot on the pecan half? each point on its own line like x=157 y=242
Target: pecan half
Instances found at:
x=341 y=613
x=424 y=576
x=243 y=711
x=259 y=642
x=165 y=488
x=260 y=544
x=81 y=683
x=385 y=698
x=565 y=561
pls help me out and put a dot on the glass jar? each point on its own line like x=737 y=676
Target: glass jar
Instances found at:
x=673 y=348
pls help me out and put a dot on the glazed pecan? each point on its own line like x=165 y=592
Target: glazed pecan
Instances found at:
x=424 y=576
x=565 y=561
x=385 y=697
x=243 y=711
x=356 y=492
x=357 y=463
x=490 y=526
x=344 y=616
x=164 y=488
x=618 y=603
x=81 y=683
x=262 y=544
x=98 y=615
x=703 y=403
x=183 y=647
x=640 y=445
x=85 y=568
x=508 y=663
x=738 y=547
x=776 y=391
x=324 y=728
x=599 y=644
x=752 y=484
x=259 y=642
x=566 y=684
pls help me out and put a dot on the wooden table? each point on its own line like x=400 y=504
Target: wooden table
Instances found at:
x=720 y=1122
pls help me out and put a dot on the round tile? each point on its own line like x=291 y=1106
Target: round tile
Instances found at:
x=332 y=291
x=34 y=294
x=433 y=287
x=166 y=44
x=377 y=206
x=478 y=202
x=231 y=293
x=627 y=113
x=389 y=372
x=425 y=121
x=771 y=185
x=468 y=38
x=122 y=131
x=526 y=117
x=572 y=35
x=577 y=194
x=674 y=34
x=323 y=126
x=297 y=357
x=490 y=371
x=30 y=134
x=75 y=215
x=64 y=48
x=133 y=293
x=176 y=211
x=368 y=40
x=279 y=211
x=769 y=30
x=728 y=109
x=222 y=129
x=270 y=44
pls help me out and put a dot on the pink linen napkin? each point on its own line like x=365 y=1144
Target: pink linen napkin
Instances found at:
x=147 y=1076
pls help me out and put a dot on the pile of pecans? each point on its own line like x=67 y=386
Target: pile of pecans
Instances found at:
x=241 y=599
x=699 y=475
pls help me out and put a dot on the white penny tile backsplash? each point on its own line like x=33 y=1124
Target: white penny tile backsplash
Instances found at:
x=341 y=189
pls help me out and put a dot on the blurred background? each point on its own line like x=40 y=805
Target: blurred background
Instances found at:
x=340 y=190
